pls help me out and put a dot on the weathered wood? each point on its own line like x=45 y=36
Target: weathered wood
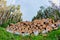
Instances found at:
x=42 y=26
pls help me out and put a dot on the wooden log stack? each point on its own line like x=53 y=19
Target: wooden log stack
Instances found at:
x=35 y=27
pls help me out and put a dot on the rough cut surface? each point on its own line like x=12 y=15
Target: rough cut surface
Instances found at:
x=35 y=27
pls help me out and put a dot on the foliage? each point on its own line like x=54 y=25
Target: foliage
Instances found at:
x=4 y=35
x=9 y=14
x=49 y=12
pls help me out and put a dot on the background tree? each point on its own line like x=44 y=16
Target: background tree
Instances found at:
x=15 y=15
x=52 y=12
x=9 y=14
x=40 y=14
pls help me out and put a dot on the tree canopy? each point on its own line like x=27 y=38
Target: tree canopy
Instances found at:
x=9 y=14
x=49 y=12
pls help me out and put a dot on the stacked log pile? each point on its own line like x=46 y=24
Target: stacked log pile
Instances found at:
x=36 y=27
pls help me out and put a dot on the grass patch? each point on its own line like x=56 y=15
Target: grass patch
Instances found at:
x=4 y=35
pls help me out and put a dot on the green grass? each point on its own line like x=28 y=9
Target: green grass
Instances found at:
x=4 y=35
